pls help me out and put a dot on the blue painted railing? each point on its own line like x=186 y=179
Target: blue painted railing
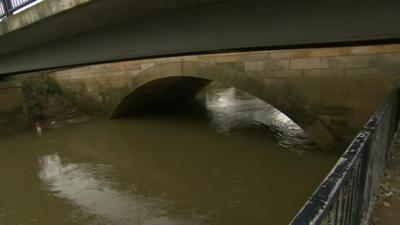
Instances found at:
x=347 y=194
x=8 y=7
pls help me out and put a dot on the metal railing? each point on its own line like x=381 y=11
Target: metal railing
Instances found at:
x=8 y=7
x=347 y=194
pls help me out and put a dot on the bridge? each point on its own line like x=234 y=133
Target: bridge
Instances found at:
x=329 y=92
x=57 y=33
x=323 y=65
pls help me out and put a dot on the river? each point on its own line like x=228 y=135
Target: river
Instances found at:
x=239 y=162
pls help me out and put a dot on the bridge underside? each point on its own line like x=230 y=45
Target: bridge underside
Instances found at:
x=161 y=95
x=102 y=30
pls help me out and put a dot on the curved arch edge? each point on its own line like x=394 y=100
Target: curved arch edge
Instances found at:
x=310 y=123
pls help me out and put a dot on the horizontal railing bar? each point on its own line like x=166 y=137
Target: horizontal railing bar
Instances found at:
x=13 y=9
x=8 y=7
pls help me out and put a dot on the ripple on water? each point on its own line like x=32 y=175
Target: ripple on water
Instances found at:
x=230 y=109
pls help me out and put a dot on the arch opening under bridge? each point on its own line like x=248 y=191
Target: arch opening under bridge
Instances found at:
x=177 y=82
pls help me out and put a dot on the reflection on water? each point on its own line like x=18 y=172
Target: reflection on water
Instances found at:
x=231 y=109
x=81 y=184
x=223 y=167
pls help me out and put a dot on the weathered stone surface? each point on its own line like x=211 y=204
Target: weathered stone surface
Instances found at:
x=324 y=72
x=328 y=91
x=374 y=49
x=309 y=63
x=287 y=73
x=361 y=61
x=324 y=52
x=254 y=65
x=390 y=60
x=321 y=135
x=274 y=64
x=13 y=115
x=301 y=53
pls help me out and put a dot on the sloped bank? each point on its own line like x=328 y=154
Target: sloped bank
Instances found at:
x=47 y=106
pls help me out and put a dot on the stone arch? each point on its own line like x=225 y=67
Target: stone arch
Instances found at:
x=277 y=95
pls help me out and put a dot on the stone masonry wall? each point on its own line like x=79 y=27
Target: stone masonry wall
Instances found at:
x=341 y=86
x=13 y=115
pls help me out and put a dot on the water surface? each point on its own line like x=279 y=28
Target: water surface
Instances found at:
x=241 y=162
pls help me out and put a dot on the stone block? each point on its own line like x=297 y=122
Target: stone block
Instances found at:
x=267 y=81
x=261 y=75
x=363 y=71
x=235 y=65
x=324 y=72
x=287 y=73
x=393 y=81
x=154 y=61
x=390 y=71
x=316 y=82
x=375 y=81
x=296 y=53
x=145 y=66
x=255 y=56
x=190 y=58
x=389 y=60
x=277 y=64
x=324 y=52
x=254 y=65
x=309 y=63
x=206 y=70
x=362 y=61
x=345 y=81
x=333 y=102
x=374 y=49
x=321 y=135
x=170 y=69
x=207 y=58
x=366 y=92
x=227 y=58
x=131 y=67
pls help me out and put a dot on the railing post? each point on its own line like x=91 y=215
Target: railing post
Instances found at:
x=7 y=7
x=362 y=182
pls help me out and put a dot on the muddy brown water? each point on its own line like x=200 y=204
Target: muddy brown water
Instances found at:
x=240 y=163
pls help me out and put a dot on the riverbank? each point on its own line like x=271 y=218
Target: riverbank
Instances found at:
x=47 y=107
x=387 y=208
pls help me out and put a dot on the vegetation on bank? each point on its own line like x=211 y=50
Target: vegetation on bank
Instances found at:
x=46 y=103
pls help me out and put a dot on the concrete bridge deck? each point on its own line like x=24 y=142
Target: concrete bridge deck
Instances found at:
x=57 y=33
